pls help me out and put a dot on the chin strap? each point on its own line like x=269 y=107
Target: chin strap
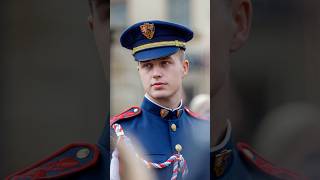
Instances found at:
x=179 y=163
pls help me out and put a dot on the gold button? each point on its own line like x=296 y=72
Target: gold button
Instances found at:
x=178 y=148
x=173 y=127
x=83 y=153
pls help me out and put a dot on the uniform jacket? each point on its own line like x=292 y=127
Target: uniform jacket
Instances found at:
x=153 y=128
x=161 y=131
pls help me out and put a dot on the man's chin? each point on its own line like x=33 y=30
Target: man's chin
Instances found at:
x=159 y=95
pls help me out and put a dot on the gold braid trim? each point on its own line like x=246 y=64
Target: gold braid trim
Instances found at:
x=159 y=44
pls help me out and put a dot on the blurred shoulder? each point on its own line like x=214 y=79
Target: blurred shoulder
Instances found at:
x=259 y=167
x=69 y=160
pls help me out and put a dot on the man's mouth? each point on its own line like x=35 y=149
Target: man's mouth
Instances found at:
x=158 y=84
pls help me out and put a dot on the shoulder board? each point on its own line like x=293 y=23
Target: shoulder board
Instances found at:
x=66 y=161
x=195 y=115
x=263 y=165
x=131 y=112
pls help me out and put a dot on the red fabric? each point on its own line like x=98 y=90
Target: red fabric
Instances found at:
x=128 y=113
x=39 y=174
x=60 y=165
x=63 y=164
x=40 y=169
x=265 y=166
x=195 y=115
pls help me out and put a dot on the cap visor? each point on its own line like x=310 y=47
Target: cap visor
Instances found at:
x=155 y=53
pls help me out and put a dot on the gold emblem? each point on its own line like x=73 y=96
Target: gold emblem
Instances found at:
x=179 y=112
x=221 y=162
x=164 y=113
x=147 y=30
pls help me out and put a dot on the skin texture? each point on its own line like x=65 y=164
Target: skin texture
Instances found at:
x=231 y=27
x=162 y=78
x=98 y=22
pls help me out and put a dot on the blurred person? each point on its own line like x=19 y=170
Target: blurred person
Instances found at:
x=79 y=160
x=231 y=28
x=128 y=167
x=201 y=104
x=290 y=126
x=175 y=140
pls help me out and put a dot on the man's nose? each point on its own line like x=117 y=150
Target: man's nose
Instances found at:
x=157 y=72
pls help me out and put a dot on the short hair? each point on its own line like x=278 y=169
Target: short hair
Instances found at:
x=182 y=54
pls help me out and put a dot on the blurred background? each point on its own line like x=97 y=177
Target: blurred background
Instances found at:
x=126 y=88
x=53 y=88
x=277 y=85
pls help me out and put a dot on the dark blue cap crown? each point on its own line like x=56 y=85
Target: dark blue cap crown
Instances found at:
x=155 y=39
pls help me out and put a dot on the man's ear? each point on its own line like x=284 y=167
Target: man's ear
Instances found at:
x=90 y=22
x=242 y=15
x=185 y=65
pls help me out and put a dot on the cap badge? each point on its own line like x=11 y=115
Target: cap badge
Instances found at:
x=147 y=30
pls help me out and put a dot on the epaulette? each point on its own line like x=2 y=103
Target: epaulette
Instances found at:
x=66 y=161
x=195 y=115
x=131 y=112
x=262 y=165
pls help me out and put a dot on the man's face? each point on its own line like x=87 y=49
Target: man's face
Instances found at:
x=162 y=78
x=99 y=25
x=222 y=37
x=231 y=28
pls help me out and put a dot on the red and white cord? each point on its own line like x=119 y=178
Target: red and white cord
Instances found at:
x=179 y=163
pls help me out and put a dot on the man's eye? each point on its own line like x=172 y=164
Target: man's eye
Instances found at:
x=146 y=66
x=165 y=62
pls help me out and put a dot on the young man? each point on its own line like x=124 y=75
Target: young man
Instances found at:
x=231 y=27
x=175 y=141
x=79 y=161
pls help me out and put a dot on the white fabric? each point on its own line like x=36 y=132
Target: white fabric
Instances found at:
x=114 y=166
x=225 y=140
x=147 y=96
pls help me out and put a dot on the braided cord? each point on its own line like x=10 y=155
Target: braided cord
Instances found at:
x=179 y=163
